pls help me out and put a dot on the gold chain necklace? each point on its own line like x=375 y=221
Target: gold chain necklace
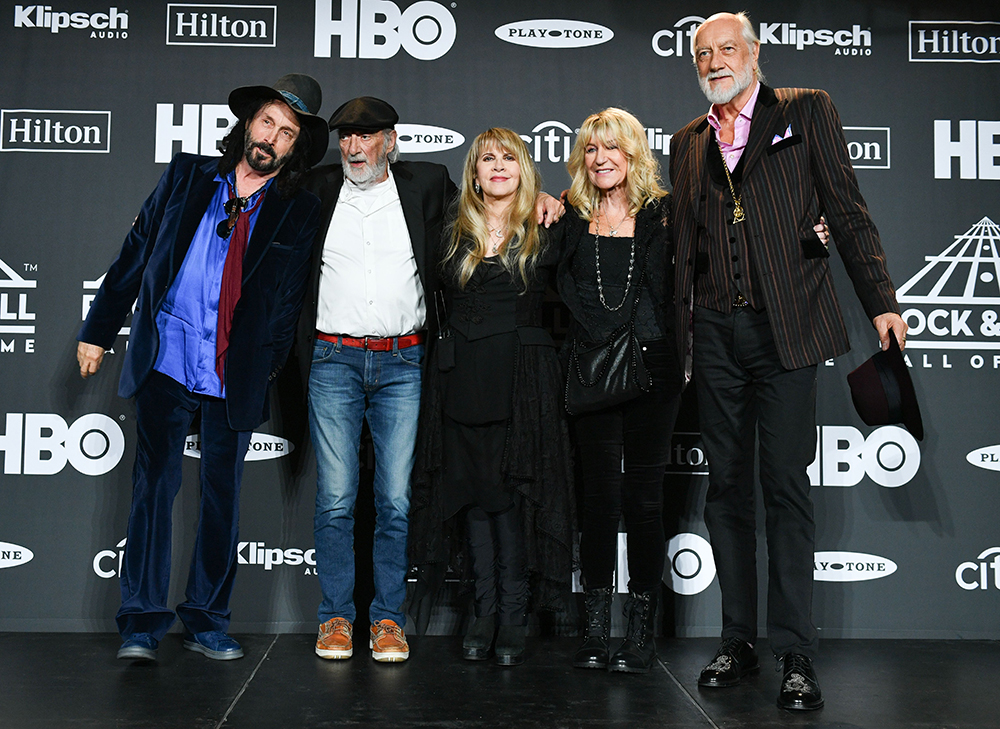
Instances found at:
x=738 y=216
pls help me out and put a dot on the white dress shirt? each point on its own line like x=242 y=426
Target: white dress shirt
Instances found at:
x=368 y=282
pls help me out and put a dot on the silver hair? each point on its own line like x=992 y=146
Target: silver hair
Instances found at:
x=749 y=36
x=391 y=154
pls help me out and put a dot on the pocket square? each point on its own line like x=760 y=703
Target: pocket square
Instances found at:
x=779 y=137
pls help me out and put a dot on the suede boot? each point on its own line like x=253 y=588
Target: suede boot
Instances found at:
x=638 y=650
x=593 y=653
x=510 y=645
x=478 y=639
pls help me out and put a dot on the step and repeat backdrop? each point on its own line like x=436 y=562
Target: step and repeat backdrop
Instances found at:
x=95 y=98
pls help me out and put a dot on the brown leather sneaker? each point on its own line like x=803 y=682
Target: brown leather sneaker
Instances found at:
x=388 y=642
x=334 y=640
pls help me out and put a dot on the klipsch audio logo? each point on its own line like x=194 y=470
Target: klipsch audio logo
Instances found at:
x=16 y=321
x=850 y=567
x=889 y=456
x=954 y=41
x=690 y=564
x=41 y=444
x=189 y=24
x=200 y=129
x=13 y=555
x=256 y=553
x=420 y=138
x=378 y=29
x=975 y=575
x=855 y=41
x=263 y=447
x=44 y=130
x=112 y=24
x=953 y=302
x=976 y=149
x=868 y=147
x=988 y=458
x=554 y=33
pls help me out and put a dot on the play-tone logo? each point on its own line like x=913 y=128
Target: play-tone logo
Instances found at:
x=199 y=131
x=690 y=564
x=889 y=456
x=263 y=447
x=13 y=555
x=954 y=41
x=975 y=575
x=868 y=147
x=112 y=24
x=988 y=458
x=553 y=33
x=976 y=149
x=190 y=24
x=49 y=130
x=850 y=567
x=952 y=303
x=421 y=138
x=41 y=444
x=378 y=29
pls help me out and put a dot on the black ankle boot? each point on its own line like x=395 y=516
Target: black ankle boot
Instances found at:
x=478 y=639
x=594 y=651
x=638 y=650
x=510 y=645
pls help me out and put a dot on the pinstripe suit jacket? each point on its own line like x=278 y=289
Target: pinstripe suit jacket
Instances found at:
x=785 y=188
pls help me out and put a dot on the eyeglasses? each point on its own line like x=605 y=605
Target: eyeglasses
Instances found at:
x=233 y=207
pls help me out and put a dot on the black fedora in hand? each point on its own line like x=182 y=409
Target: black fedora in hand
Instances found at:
x=883 y=391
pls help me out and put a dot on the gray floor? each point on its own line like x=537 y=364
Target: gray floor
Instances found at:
x=73 y=680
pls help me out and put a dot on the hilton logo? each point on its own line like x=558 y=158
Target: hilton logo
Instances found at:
x=942 y=41
x=868 y=147
x=42 y=130
x=221 y=25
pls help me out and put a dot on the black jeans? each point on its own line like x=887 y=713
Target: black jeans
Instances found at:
x=498 y=563
x=622 y=453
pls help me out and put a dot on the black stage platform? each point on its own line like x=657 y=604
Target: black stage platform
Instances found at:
x=67 y=681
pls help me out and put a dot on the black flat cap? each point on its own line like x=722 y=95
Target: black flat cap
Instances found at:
x=366 y=114
x=883 y=393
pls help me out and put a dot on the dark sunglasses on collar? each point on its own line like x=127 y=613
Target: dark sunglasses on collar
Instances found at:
x=233 y=207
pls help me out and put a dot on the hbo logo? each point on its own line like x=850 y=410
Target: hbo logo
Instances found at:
x=40 y=444
x=377 y=29
x=889 y=456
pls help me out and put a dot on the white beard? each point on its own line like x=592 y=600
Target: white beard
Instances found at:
x=740 y=83
x=368 y=175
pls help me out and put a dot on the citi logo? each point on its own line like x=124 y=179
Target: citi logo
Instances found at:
x=952 y=302
x=43 y=130
x=889 y=456
x=850 y=567
x=550 y=141
x=189 y=24
x=257 y=553
x=108 y=562
x=676 y=42
x=41 y=444
x=942 y=41
x=15 y=318
x=378 y=29
x=988 y=458
x=12 y=555
x=853 y=42
x=690 y=564
x=975 y=575
x=199 y=129
x=868 y=147
x=554 y=33
x=976 y=149
x=421 y=138
x=112 y=24
x=263 y=447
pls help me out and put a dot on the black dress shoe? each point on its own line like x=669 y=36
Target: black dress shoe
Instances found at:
x=799 y=687
x=734 y=660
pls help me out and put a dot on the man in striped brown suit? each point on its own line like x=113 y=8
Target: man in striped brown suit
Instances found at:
x=750 y=180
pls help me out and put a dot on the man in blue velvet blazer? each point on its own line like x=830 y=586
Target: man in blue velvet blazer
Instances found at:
x=218 y=259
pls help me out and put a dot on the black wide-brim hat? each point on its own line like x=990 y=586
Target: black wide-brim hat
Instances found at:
x=883 y=391
x=303 y=94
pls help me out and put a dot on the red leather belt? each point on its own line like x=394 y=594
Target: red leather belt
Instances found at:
x=374 y=344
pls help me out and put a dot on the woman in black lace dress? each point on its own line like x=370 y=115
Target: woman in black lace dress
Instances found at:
x=494 y=454
x=617 y=225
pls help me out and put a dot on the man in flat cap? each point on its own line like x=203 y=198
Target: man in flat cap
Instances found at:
x=361 y=346
x=218 y=258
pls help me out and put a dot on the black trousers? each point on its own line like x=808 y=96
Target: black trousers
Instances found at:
x=498 y=564
x=623 y=453
x=744 y=394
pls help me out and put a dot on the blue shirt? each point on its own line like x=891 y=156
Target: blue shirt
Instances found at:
x=188 y=320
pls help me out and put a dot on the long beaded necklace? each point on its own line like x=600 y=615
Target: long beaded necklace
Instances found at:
x=597 y=256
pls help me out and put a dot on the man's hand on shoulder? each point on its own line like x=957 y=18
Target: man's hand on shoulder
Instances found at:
x=548 y=209
x=894 y=322
x=89 y=356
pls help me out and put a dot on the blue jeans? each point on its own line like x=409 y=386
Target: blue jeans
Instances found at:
x=346 y=386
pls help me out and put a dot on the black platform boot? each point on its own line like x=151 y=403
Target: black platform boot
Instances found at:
x=638 y=650
x=594 y=651
x=478 y=641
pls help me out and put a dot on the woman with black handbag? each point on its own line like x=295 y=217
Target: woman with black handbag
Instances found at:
x=624 y=377
x=494 y=459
